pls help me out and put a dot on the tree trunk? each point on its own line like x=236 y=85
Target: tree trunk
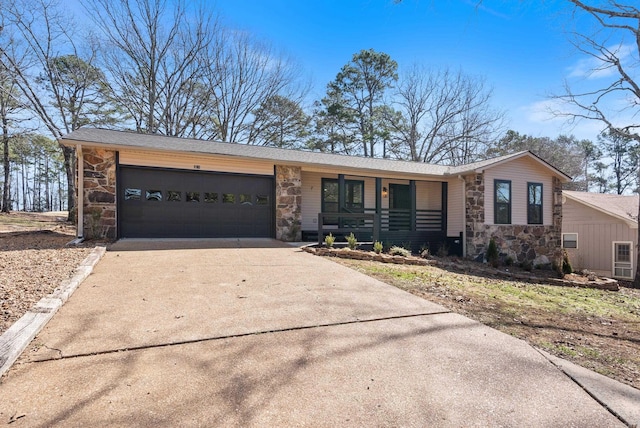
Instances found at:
x=6 y=190
x=69 y=167
x=636 y=279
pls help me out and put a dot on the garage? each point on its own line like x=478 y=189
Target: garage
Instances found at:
x=171 y=203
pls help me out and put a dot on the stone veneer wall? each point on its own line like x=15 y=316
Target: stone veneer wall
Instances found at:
x=99 y=199
x=539 y=245
x=288 y=203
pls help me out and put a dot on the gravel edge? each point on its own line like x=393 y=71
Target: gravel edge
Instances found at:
x=16 y=339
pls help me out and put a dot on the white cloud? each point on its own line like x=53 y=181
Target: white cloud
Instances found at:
x=591 y=67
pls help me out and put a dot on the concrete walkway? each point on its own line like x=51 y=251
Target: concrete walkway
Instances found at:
x=258 y=333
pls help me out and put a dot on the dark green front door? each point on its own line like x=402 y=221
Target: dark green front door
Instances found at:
x=399 y=207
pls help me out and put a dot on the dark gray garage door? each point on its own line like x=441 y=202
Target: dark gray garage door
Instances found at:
x=162 y=203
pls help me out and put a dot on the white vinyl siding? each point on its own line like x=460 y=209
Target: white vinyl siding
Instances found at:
x=520 y=172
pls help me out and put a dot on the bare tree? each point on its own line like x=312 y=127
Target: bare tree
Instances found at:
x=35 y=35
x=10 y=109
x=152 y=52
x=242 y=74
x=615 y=49
x=446 y=117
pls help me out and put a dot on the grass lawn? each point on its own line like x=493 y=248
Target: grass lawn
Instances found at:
x=596 y=329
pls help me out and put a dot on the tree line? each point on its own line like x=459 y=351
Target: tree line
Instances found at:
x=174 y=69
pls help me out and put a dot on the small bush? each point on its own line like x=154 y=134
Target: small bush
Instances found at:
x=378 y=247
x=508 y=261
x=527 y=265
x=567 y=269
x=493 y=258
x=399 y=251
x=443 y=250
x=352 y=241
x=425 y=253
x=329 y=240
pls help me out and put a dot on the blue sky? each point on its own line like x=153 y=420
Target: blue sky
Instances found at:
x=519 y=47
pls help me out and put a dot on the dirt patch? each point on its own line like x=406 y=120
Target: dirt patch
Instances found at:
x=597 y=329
x=34 y=260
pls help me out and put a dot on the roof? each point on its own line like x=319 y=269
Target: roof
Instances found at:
x=623 y=207
x=123 y=139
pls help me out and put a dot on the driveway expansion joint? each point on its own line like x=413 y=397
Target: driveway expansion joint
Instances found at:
x=238 y=335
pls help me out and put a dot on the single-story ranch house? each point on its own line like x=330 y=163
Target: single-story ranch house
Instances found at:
x=149 y=186
x=600 y=232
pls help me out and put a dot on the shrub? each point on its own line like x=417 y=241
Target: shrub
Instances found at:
x=508 y=261
x=527 y=265
x=378 y=247
x=425 y=253
x=443 y=250
x=329 y=240
x=399 y=251
x=352 y=241
x=493 y=257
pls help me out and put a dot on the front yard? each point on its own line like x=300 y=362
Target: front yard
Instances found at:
x=596 y=329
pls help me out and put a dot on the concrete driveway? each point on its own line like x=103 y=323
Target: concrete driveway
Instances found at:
x=258 y=333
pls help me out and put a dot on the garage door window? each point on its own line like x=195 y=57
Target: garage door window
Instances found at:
x=153 y=195
x=210 y=198
x=132 y=194
x=262 y=200
x=228 y=198
x=245 y=199
x=174 y=196
x=193 y=196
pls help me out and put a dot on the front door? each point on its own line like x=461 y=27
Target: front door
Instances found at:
x=399 y=207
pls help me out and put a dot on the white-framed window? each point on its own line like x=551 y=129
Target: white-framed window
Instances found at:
x=569 y=240
x=623 y=260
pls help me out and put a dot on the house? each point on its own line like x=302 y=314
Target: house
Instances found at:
x=600 y=232
x=136 y=185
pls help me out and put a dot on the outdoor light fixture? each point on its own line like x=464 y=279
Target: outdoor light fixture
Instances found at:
x=385 y=192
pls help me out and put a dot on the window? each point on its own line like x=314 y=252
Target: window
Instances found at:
x=262 y=200
x=502 y=202
x=174 y=196
x=153 y=195
x=569 y=240
x=534 y=203
x=210 y=197
x=228 y=198
x=245 y=199
x=193 y=196
x=622 y=260
x=353 y=197
x=132 y=194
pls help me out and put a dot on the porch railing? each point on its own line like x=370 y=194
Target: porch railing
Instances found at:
x=371 y=224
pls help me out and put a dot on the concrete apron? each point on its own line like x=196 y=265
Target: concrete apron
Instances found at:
x=259 y=333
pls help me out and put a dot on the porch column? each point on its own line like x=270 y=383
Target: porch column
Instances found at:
x=445 y=195
x=378 y=222
x=341 y=193
x=412 y=191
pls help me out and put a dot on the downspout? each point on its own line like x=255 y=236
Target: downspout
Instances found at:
x=80 y=199
x=464 y=216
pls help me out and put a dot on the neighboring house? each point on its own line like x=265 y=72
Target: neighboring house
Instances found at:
x=600 y=232
x=136 y=185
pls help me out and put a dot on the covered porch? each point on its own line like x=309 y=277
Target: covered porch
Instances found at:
x=410 y=213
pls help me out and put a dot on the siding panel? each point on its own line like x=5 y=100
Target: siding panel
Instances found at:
x=520 y=172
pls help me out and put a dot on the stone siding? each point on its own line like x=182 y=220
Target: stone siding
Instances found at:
x=99 y=199
x=288 y=203
x=537 y=244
